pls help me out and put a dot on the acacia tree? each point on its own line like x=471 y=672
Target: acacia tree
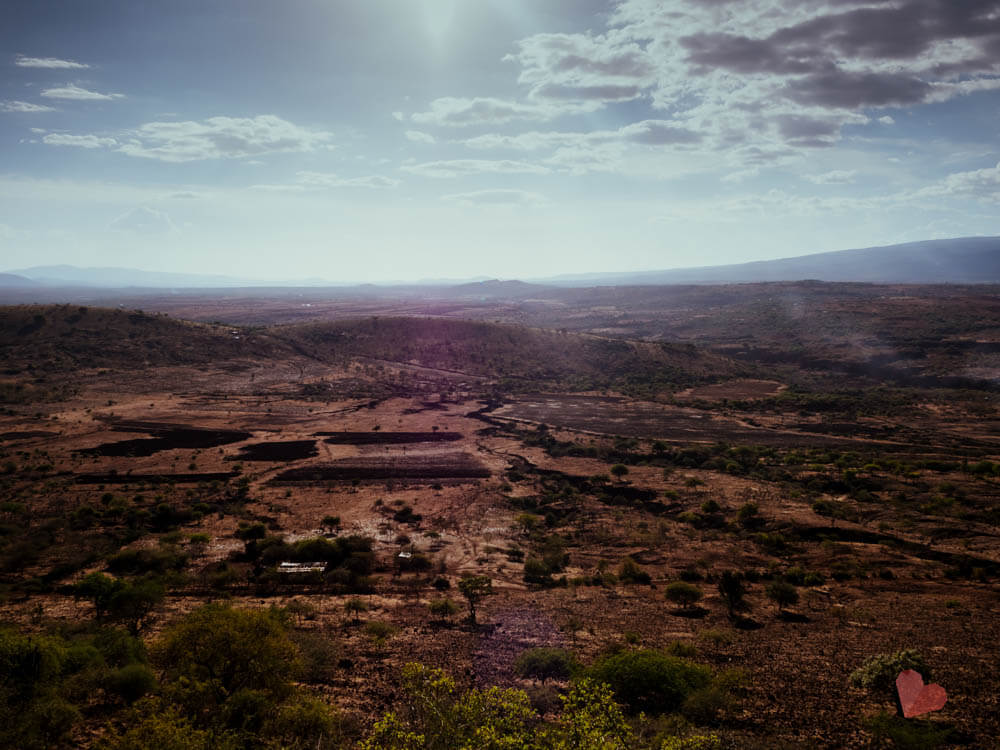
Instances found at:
x=475 y=589
x=783 y=594
x=683 y=594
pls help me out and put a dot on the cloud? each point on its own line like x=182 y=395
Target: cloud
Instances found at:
x=463 y=167
x=398 y=116
x=583 y=68
x=16 y=106
x=220 y=138
x=418 y=136
x=324 y=180
x=978 y=184
x=73 y=92
x=645 y=132
x=80 y=141
x=658 y=133
x=53 y=63
x=835 y=177
x=886 y=120
x=776 y=71
x=143 y=220
x=460 y=112
x=497 y=198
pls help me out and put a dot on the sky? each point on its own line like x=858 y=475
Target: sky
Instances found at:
x=380 y=140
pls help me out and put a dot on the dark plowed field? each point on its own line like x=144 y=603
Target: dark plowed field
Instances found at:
x=388 y=438
x=611 y=416
x=111 y=478
x=453 y=466
x=288 y=450
x=166 y=440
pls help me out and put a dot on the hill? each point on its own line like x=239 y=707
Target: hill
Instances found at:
x=12 y=279
x=66 y=338
x=964 y=260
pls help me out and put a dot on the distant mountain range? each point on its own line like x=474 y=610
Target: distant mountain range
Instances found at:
x=963 y=260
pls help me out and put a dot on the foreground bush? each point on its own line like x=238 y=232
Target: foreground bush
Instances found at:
x=437 y=716
x=650 y=681
x=227 y=682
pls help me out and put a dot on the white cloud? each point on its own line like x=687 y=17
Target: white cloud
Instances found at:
x=16 y=106
x=73 y=92
x=460 y=112
x=835 y=177
x=583 y=68
x=418 y=136
x=324 y=180
x=978 y=184
x=80 y=141
x=497 y=198
x=327 y=180
x=463 y=167
x=143 y=220
x=398 y=116
x=220 y=138
x=886 y=120
x=53 y=63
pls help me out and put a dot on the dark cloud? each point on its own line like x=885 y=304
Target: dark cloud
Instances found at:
x=894 y=32
x=841 y=89
x=799 y=126
x=741 y=54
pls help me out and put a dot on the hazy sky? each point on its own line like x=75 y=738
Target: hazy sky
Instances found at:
x=400 y=139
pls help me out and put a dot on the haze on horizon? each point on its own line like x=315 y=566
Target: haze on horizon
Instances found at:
x=498 y=138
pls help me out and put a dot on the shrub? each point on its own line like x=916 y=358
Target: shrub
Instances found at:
x=131 y=682
x=907 y=734
x=693 y=742
x=649 y=681
x=546 y=663
x=630 y=572
x=879 y=673
x=704 y=706
x=443 y=609
x=748 y=516
x=783 y=594
x=733 y=590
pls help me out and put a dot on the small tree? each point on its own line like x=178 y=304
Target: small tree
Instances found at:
x=357 y=606
x=133 y=603
x=546 y=663
x=99 y=588
x=331 y=523
x=684 y=595
x=783 y=594
x=442 y=609
x=620 y=471
x=475 y=589
x=733 y=590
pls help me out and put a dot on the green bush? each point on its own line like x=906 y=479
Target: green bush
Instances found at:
x=907 y=734
x=630 y=572
x=879 y=673
x=131 y=682
x=650 y=681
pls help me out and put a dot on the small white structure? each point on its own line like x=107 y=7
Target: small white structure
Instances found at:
x=297 y=567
